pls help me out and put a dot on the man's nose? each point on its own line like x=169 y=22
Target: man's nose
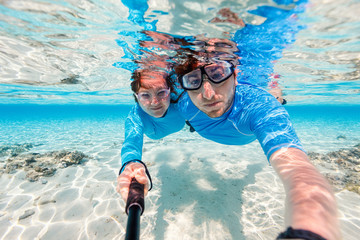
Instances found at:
x=207 y=89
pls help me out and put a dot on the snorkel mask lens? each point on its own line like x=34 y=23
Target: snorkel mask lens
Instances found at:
x=147 y=97
x=216 y=72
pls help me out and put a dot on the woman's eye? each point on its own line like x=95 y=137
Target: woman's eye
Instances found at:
x=145 y=96
x=161 y=94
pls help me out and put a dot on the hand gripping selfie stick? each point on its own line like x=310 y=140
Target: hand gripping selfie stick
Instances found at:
x=134 y=208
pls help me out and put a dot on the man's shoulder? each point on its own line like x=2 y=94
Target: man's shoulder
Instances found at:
x=252 y=92
x=246 y=85
x=250 y=98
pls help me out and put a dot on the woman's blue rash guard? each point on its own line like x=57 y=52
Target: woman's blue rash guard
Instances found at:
x=139 y=122
x=254 y=114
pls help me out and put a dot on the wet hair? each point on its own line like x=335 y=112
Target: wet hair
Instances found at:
x=169 y=78
x=189 y=64
x=189 y=60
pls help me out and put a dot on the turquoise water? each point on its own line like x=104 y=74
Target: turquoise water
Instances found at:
x=65 y=125
x=64 y=84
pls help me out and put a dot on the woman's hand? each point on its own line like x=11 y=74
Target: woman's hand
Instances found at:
x=132 y=170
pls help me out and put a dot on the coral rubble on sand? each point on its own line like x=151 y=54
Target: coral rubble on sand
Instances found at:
x=38 y=165
x=341 y=168
x=15 y=149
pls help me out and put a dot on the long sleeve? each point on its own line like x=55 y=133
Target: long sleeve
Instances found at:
x=269 y=121
x=139 y=123
x=133 y=143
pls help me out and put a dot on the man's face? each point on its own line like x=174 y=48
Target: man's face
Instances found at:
x=214 y=99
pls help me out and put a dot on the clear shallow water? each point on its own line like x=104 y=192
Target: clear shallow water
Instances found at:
x=56 y=52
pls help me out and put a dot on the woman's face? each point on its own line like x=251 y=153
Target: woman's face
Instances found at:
x=154 y=94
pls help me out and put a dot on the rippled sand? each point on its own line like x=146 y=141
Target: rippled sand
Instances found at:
x=202 y=193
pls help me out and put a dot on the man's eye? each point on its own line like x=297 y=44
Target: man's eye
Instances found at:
x=194 y=81
x=216 y=70
x=217 y=75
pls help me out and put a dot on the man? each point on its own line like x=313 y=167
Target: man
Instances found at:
x=225 y=111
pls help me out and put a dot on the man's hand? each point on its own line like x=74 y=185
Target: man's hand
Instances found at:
x=132 y=170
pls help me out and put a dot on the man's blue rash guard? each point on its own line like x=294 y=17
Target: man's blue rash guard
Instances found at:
x=254 y=114
x=139 y=122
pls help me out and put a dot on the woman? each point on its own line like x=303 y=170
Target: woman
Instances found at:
x=154 y=115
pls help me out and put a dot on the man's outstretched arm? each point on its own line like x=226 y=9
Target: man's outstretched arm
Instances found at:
x=310 y=202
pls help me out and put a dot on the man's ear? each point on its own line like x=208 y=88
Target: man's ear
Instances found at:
x=235 y=78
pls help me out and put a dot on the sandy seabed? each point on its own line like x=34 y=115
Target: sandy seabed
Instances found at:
x=202 y=190
x=199 y=193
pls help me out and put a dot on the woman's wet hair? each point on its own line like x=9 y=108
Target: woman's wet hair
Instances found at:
x=138 y=76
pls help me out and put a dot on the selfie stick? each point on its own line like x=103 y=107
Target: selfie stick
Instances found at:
x=134 y=209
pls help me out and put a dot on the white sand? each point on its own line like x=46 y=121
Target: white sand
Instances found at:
x=202 y=190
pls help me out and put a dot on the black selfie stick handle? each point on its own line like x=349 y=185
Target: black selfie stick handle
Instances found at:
x=134 y=208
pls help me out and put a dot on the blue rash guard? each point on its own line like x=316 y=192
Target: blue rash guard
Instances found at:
x=139 y=122
x=254 y=114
